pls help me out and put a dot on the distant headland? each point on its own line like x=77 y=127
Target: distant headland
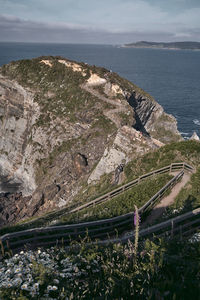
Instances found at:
x=161 y=45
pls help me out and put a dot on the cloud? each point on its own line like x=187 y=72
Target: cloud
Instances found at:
x=13 y=28
x=111 y=15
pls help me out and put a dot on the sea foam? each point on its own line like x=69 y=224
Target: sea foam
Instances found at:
x=196 y=121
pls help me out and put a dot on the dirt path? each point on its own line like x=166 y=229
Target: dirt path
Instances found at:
x=112 y=113
x=159 y=209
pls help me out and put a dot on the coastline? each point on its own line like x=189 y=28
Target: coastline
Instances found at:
x=158 y=48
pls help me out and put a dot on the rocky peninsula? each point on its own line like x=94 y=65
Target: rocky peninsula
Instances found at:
x=65 y=124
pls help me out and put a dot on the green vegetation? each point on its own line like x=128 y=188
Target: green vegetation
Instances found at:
x=162 y=133
x=101 y=123
x=189 y=197
x=186 y=151
x=158 y=270
x=121 y=204
x=57 y=88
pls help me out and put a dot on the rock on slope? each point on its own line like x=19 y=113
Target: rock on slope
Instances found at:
x=64 y=123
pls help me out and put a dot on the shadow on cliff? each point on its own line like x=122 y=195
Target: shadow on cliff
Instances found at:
x=138 y=125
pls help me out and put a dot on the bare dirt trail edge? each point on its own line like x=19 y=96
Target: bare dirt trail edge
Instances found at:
x=112 y=113
x=159 y=209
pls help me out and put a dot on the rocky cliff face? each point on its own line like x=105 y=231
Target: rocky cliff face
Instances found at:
x=64 y=124
x=151 y=118
x=18 y=113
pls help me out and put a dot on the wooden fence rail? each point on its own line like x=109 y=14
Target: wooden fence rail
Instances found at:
x=121 y=189
x=174 y=226
x=100 y=229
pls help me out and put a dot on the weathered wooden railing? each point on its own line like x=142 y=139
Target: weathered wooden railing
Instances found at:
x=129 y=185
x=182 y=225
x=101 y=229
x=170 y=168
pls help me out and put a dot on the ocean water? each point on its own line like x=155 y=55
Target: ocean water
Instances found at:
x=171 y=77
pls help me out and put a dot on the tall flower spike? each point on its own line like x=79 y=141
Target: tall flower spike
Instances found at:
x=136 y=223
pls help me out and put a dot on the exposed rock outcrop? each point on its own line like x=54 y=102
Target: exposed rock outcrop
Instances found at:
x=195 y=137
x=151 y=119
x=65 y=123
x=127 y=144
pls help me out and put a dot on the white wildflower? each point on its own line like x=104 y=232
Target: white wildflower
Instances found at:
x=32 y=293
x=56 y=281
x=36 y=285
x=17 y=282
x=24 y=286
x=18 y=270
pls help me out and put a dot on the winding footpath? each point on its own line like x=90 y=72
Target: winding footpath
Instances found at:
x=160 y=208
x=112 y=113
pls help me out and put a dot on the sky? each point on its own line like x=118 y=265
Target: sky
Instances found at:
x=99 y=21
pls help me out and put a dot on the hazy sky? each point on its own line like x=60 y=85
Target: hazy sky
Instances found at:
x=99 y=21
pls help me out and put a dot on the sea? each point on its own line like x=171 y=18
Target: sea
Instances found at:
x=172 y=77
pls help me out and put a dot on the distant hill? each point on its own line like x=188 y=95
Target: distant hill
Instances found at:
x=161 y=45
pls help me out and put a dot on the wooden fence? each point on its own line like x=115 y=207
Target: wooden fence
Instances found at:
x=102 y=229
x=182 y=225
x=106 y=197
x=170 y=168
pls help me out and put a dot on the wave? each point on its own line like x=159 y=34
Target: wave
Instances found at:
x=196 y=121
x=185 y=133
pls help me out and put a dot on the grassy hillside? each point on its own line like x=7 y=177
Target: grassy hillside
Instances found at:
x=121 y=204
x=58 y=90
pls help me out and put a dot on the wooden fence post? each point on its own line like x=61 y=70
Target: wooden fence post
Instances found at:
x=172 y=228
x=181 y=236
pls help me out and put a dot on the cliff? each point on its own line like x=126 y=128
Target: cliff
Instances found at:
x=63 y=125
